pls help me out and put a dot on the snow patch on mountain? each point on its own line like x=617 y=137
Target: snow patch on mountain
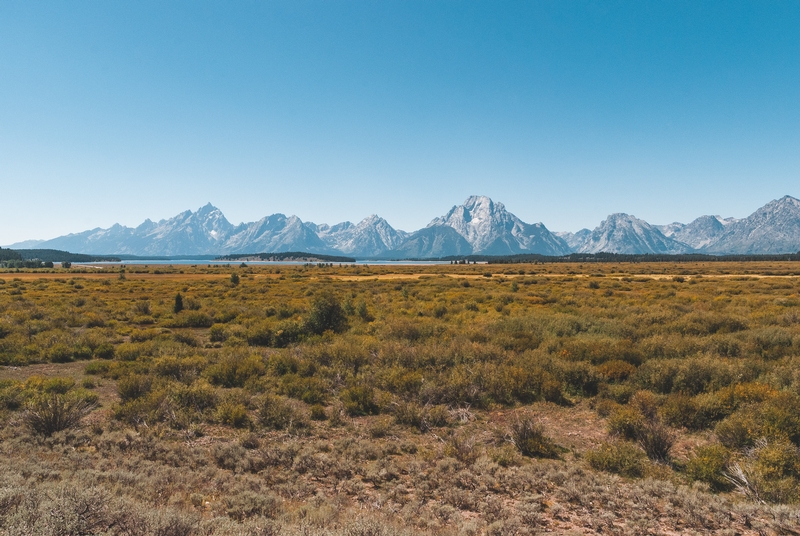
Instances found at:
x=491 y=230
x=623 y=233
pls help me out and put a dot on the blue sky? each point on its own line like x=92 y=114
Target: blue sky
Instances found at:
x=565 y=111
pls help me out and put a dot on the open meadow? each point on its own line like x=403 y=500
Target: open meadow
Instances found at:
x=641 y=398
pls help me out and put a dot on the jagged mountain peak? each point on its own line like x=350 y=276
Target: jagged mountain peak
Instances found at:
x=482 y=203
x=372 y=218
x=208 y=207
x=490 y=229
x=371 y=237
x=786 y=204
x=625 y=233
x=773 y=228
x=480 y=226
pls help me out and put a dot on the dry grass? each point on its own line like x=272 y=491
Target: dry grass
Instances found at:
x=406 y=418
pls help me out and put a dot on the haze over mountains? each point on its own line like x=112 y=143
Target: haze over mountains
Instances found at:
x=479 y=226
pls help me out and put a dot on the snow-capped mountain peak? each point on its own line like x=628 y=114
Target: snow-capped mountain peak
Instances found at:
x=478 y=226
x=623 y=233
x=490 y=229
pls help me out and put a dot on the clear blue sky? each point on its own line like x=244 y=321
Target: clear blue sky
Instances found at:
x=565 y=111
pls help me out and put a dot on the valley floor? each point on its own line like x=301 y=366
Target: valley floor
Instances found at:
x=500 y=399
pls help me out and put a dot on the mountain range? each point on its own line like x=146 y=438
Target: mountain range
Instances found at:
x=479 y=226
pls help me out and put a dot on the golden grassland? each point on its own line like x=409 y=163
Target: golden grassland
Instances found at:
x=380 y=400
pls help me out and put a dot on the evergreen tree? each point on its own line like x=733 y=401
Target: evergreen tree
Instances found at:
x=178 y=307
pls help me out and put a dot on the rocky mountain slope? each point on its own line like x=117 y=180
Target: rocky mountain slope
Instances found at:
x=774 y=228
x=491 y=230
x=700 y=233
x=623 y=233
x=478 y=226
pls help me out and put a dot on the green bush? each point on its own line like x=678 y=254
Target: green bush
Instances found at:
x=97 y=367
x=234 y=370
x=104 y=351
x=287 y=333
x=278 y=413
x=708 y=464
x=695 y=413
x=616 y=370
x=626 y=422
x=777 y=418
x=145 y=410
x=233 y=414
x=326 y=315
x=359 y=400
x=318 y=412
x=260 y=335
x=217 y=333
x=191 y=319
x=133 y=386
x=199 y=396
x=769 y=472
x=620 y=457
x=309 y=390
x=60 y=353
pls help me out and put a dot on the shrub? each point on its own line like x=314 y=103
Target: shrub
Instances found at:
x=278 y=413
x=58 y=386
x=133 y=386
x=130 y=351
x=287 y=333
x=736 y=431
x=309 y=390
x=619 y=457
x=707 y=464
x=147 y=409
x=60 y=353
x=104 y=351
x=694 y=413
x=191 y=319
x=528 y=435
x=616 y=370
x=626 y=422
x=769 y=472
x=359 y=400
x=463 y=447
x=580 y=378
x=178 y=305
x=247 y=504
x=656 y=439
x=217 y=333
x=96 y=368
x=421 y=418
x=260 y=335
x=410 y=414
x=199 y=396
x=326 y=315
x=775 y=418
x=50 y=414
x=379 y=427
x=318 y=412
x=233 y=414
x=234 y=370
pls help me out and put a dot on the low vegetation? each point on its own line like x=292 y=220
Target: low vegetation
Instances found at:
x=451 y=399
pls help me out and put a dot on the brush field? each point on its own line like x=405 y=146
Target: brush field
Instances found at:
x=390 y=400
